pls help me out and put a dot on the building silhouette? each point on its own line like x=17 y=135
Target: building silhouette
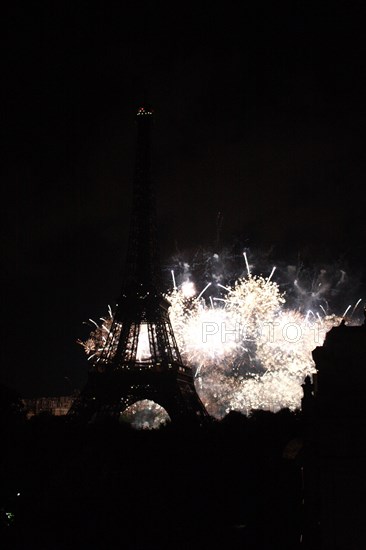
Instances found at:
x=57 y=406
x=334 y=411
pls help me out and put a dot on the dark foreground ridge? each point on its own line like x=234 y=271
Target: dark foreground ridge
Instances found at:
x=233 y=484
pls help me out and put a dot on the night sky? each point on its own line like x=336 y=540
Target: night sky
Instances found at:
x=259 y=116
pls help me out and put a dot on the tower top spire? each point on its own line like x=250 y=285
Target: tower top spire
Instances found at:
x=142 y=265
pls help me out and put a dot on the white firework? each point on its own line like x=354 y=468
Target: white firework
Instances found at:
x=248 y=348
x=249 y=351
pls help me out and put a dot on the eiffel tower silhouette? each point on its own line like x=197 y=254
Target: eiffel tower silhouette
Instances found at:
x=140 y=358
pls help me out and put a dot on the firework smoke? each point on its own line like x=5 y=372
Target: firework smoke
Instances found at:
x=248 y=349
x=247 y=339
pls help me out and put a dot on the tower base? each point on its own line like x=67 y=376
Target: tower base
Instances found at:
x=109 y=394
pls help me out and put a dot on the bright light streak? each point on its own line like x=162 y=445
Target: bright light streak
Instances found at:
x=355 y=306
x=270 y=277
x=173 y=277
x=224 y=287
x=346 y=311
x=246 y=263
x=204 y=290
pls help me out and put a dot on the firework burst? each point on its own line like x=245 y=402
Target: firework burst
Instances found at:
x=248 y=348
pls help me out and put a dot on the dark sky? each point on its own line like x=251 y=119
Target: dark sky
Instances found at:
x=259 y=115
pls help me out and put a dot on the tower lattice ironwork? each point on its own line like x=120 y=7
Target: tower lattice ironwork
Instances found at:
x=140 y=358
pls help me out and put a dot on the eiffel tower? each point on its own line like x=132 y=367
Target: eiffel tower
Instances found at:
x=140 y=358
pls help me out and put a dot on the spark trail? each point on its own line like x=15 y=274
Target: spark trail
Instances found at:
x=250 y=351
x=248 y=346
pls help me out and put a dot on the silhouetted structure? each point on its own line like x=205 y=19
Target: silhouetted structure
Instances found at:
x=57 y=406
x=335 y=456
x=140 y=358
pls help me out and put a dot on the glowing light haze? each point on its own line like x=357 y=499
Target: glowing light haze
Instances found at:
x=248 y=350
x=248 y=347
